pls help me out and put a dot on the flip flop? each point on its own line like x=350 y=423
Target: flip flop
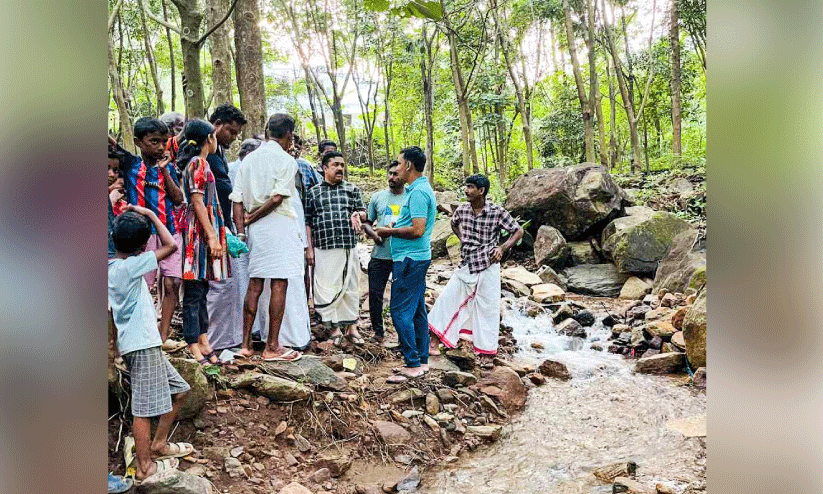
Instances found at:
x=286 y=357
x=118 y=484
x=213 y=354
x=183 y=449
x=162 y=466
x=357 y=340
x=402 y=377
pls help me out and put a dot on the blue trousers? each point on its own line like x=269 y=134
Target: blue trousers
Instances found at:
x=408 y=310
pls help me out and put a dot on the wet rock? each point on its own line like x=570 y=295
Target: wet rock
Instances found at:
x=610 y=472
x=462 y=358
x=547 y=292
x=432 y=404
x=682 y=267
x=599 y=280
x=548 y=275
x=634 y=289
x=572 y=199
x=550 y=247
x=272 y=387
x=664 y=363
x=174 y=482
x=294 y=488
x=485 y=431
x=662 y=329
x=694 y=331
x=570 y=327
x=391 y=433
x=555 y=369
x=582 y=253
x=628 y=486
x=584 y=317
x=520 y=275
x=200 y=391
x=699 y=378
x=515 y=287
x=537 y=379
x=562 y=313
x=637 y=243
x=511 y=391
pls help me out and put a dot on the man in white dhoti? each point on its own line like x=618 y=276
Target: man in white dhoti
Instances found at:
x=469 y=306
x=331 y=208
x=265 y=217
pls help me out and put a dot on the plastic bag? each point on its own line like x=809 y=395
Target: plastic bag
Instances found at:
x=235 y=246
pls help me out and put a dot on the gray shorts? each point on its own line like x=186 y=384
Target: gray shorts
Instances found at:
x=153 y=381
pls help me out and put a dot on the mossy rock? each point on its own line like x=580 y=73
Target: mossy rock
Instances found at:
x=694 y=331
x=637 y=243
x=698 y=279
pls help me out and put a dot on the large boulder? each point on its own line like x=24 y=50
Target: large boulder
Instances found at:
x=447 y=201
x=548 y=275
x=521 y=275
x=599 y=280
x=308 y=369
x=573 y=199
x=694 y=331
x=550 y=247
x=547 y=293
x=681 y=267
x=581 y=252
x=635 y=289
x=637 y=243
x=440 y=234
x=453 y=248
x=200 y=391
x=504 y=384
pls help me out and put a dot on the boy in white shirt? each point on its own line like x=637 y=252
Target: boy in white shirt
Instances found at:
x=153 y=379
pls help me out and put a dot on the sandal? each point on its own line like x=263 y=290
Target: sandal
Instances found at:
x=402 y=377
x=183 y=449
x=213 y=354
x=162 y=466
x=288 y=356
x=357 y=340
x=118 y=484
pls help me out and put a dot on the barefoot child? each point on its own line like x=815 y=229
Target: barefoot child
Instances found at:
x=205 y=258
x=153 y=379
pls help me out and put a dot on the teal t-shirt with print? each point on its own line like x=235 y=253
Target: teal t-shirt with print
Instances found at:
x=419 y=203
x=384 y=209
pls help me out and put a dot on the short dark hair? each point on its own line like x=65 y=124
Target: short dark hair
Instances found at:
x=130 y=232
x=324 y=143
x=248 y=146
x=329 y=156
x=298 y=141
x=416 y=156
x=392 y=164
x=479 y=181
x=146 y=125
x=228 y=113
x=279 y=125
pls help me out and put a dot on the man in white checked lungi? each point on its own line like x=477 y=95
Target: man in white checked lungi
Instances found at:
x=262 y=198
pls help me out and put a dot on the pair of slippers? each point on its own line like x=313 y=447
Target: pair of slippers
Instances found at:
x=357 y=340
x=169 y=461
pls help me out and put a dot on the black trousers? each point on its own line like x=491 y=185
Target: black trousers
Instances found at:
x=195 y=314
x=379 y=274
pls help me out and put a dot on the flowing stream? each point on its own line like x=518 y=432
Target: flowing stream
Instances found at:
x=604 y=415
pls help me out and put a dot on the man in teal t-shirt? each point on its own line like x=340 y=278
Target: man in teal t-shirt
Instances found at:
x=384 y=209
x=411 y=256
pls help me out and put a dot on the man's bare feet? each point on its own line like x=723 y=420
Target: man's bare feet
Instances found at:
x=141 y=473
x=287 y=353
x=246 y=352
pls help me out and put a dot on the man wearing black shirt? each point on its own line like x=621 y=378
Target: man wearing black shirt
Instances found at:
x=228 y=121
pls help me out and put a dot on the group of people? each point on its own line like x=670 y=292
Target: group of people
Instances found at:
x=292 y=230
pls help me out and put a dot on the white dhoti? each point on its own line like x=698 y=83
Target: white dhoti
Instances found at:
x=336 y=285
x=276 y=249
x=224 y=303
x=469 y=308
x=261 y=322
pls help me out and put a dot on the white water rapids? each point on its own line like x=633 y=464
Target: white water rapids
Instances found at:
x=605 y=414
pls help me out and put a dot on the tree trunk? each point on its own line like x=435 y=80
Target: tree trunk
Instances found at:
x=674 y=39
x=120 y=101
x=249 y=65
x=613 y=121
x=555 y=68
x=314 y=118
x=158 y=90
x=428 y=100
x=190 y=18
x=646 y=141
x=594 y=83
x=171 y=58
x=220 y=53
x=585 y=108
x=466 y=127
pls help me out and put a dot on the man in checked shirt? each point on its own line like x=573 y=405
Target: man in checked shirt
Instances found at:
x=469 y=307
x=330 y=228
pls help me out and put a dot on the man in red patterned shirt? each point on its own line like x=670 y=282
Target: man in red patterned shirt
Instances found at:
x=469 y=307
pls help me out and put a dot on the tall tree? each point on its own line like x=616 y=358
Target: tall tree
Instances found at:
x=368 y=104
x=249 y=65
x=594 y=83
x=151 y=61
x=585 y=104
x=172 y=64
x=220 y=52
x=427 y=60
x=119 y=94
x=674 y=40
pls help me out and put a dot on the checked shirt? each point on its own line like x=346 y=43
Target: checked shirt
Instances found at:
x=481 y=234
x=328 y=213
